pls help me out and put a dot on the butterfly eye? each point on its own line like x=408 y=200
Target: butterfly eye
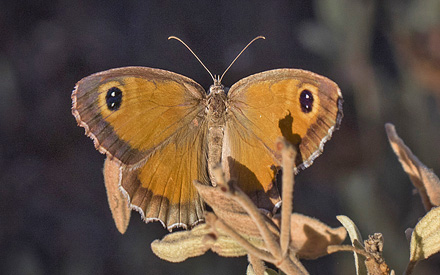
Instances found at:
x=113 y=98
x=306 y=101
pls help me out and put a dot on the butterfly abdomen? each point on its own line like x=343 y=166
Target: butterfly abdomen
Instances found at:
x=216 y=125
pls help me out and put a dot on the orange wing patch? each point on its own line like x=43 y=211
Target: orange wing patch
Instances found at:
x=129 y=112
x=167 y=192
x=267 y=107
x=301 y=106
x=151 y=111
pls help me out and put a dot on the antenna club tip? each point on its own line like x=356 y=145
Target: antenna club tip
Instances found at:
x=171 y=37
x=262 y=37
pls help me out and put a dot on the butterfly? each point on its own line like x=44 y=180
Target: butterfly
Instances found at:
x=163 y=130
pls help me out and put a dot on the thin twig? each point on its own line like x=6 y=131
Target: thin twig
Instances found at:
x=298 y=263
x=288 y=162
x=410 y=267
x=284 y=262
x=336 y=248
x=290 y=267
x=271 y=242
x=239 y=196
x=257 y=264
x=287 y=265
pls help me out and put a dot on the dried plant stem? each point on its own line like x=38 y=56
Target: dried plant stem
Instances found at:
x=298 y=263
x=290 y=267
x=218 y=223
x=270 y=239
x=410 y=267
x=336 y=248
x=245 y=202
x=278 y=249
x=257 y=264
x=288 y=162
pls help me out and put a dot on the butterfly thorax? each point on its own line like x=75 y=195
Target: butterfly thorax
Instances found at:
x=216 y=114
x=216 y=103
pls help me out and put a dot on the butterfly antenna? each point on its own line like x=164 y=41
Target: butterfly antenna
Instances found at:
x=180 y=40
x=233 y=61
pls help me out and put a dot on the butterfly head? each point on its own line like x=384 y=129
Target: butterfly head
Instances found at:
x=217 y=87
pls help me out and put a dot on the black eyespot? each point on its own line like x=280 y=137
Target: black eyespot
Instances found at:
x=113 y=98
x=306 y=101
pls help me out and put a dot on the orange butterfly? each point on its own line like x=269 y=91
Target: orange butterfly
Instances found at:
x=164 y=131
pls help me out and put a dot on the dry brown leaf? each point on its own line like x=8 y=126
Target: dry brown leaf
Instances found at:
x=427 y=183
x=227 y=247
x=425 y=239
x=179 y=246
x=228 y=210
x=432 y=185
x=310 y=237
x=116 y=200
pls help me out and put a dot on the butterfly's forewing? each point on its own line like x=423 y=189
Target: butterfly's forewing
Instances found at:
x=152 y=122
x=303 y=107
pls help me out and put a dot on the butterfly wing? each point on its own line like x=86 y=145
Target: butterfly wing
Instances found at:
x=303 y=107
x=118 y=203
x=153 y=122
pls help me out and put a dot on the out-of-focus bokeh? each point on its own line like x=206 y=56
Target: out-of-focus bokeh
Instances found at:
x=54 y=216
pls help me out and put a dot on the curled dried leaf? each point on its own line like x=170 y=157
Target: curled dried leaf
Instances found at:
x=226 y=246
x=254 y=246
x=179 y=246
x=432 y=185
x=118 y=203
x=310 y=237
x=217 y=199
x=426 y=182
x=229 y=210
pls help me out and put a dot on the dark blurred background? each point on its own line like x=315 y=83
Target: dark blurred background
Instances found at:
x=54 y=216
